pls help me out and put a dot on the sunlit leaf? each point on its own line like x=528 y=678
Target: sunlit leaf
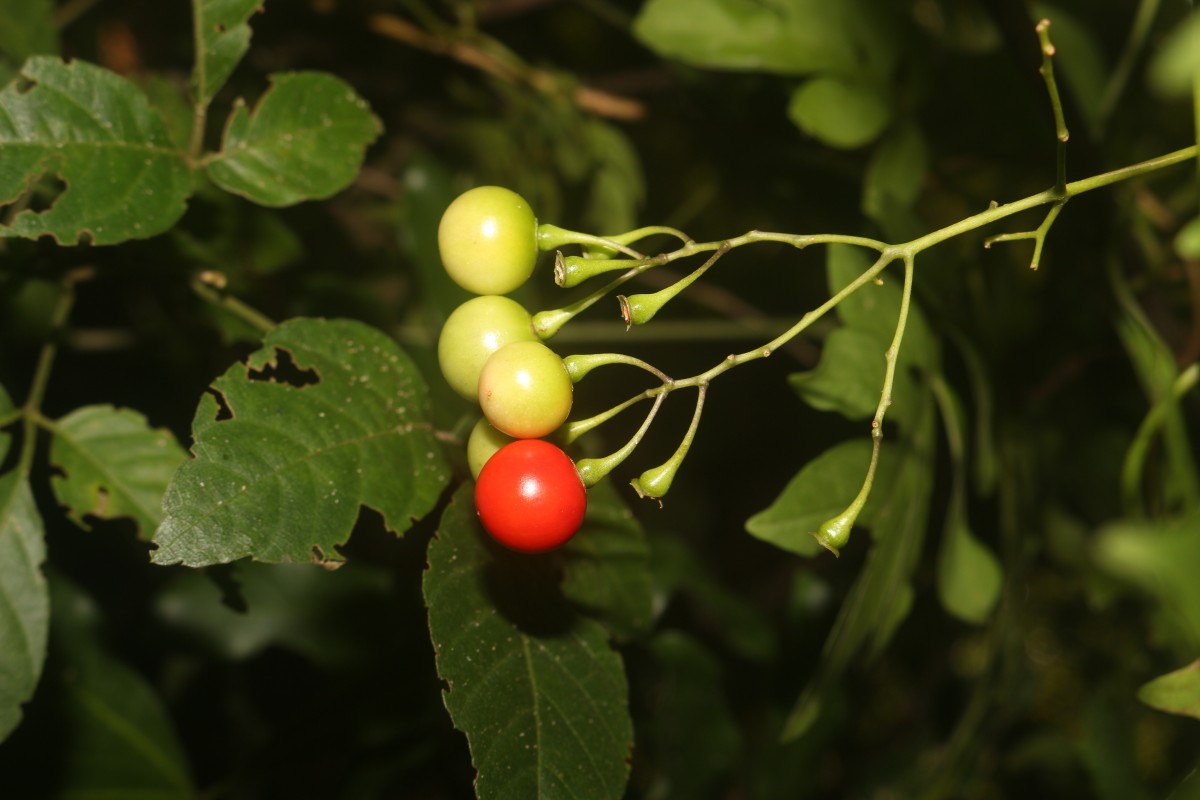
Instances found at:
x=224 y=39
x=796 y=37
x=1176 y=692
x=328 y=416
x=1187 y=241
x=95 y=132
x=969 y=575
x=839 y=112
x=113 y=464
x=304 y=140
x=1159 y=556
x=536 y=688
x=1176 y=63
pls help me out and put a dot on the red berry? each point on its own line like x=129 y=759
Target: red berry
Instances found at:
x=529 y=496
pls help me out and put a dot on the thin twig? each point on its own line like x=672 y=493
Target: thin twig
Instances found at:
x=596 y=101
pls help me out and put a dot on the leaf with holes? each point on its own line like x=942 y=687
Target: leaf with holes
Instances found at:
x=92 y=134
x=537 y=689
x=328 y=416
x=304 y=140
x=113 y=465
x=224 y=39
x=24 y=599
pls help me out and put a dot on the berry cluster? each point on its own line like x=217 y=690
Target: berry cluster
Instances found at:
x=528 y=493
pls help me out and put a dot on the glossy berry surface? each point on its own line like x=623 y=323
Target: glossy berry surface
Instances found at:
x=529 y=496
x=473 y=332
x=525 y=390
x=488 y=240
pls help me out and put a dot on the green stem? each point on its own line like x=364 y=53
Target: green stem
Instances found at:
x=593 y=470
x=1060 y=123
x=1135 y=456
x=200 y=84
x=573 y=430
x=208 y=287
x=32 y=410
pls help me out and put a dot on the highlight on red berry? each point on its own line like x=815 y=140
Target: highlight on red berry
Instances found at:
x=529 y=496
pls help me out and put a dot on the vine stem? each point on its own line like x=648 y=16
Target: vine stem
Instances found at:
x=1060 y=123
x=32 y=409
x=208 y=285
x=888 y=253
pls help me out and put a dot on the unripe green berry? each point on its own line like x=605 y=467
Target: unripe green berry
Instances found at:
x=488 y=240
x=525 y=390
x=473 y=332
x=482 y=444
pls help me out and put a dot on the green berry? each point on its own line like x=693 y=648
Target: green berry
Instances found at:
x=525 y=390
x=488 y=240
x=475 y=330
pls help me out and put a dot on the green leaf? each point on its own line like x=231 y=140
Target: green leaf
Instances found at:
x=1176 y=64
x=608 y=566
x=969 y=576
x=1176 y=692
x=896 y=172
x=24 y=601
x=428 y=188
x=224 y=39
x=695 y=739
x=122 y=742
x=791 y=37
x=1187 y=241
x=329 y=415
x=876 y=307
x=849 y=377
x=302 y=608
x=821 y=490
x=26 y=29
x=1159 y=557
x=618 y=185
x=113 y=464
x=882 y=595
x=1157 y=370
x=839 y=112
x=536 y=688
x=95 y=132
x=304 y=140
